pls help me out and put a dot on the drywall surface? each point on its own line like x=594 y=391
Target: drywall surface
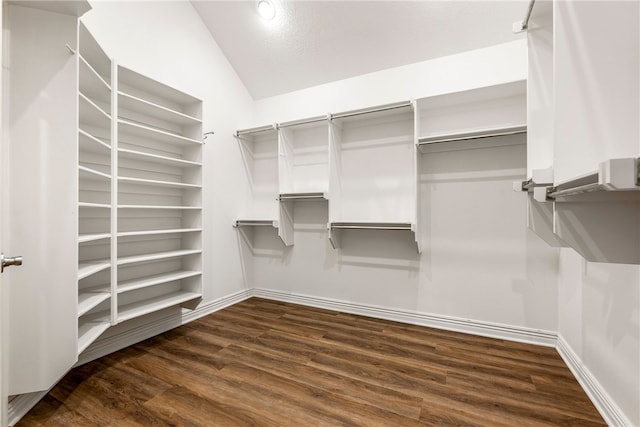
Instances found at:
x=477 y=68
x=596 y=84
x=167 y=41
x=599 y=317
x=479 y=260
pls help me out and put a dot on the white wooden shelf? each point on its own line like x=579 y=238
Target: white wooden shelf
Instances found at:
x=84 y=238
x=88 y=268
x=157 y=256
x=504 y=130
x=139 y=130
x=90 y=205
x=286 y=197
x=160 y=207
x=155 y=232
x=91 y=83
x=157 y=279
x=91 y=144
x=154 y=182
x=397 y=226
x=255 y=223
x=133 y=103
x=90 y=329
x=89 y=174
x=141 y=308
x=92 y=297
x=92 y=114
x=170 y=161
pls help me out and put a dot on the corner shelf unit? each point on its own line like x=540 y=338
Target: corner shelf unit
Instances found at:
x=140 y=184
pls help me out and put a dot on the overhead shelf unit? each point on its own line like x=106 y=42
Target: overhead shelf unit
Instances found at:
x=609 y=196
x=260 y=148
x=95 y=151
x=373 y=175
x=159 y=196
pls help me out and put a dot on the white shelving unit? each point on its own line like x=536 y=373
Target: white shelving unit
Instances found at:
x=372 y=171
x=94 y=183
x=159 y=220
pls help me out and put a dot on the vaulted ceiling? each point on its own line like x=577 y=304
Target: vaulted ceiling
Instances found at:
x=314 y=42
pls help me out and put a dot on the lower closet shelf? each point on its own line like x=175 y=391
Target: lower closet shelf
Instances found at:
x=161 y=302
x=130 y=285
x=87 y=268
x=92 y=297
x=90 y=329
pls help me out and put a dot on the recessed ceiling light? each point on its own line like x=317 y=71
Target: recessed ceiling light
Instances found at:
x=266 y=9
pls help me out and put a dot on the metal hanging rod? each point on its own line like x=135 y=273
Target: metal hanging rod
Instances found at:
x=252 y=131
x=519 y=27
x=254 y=223
x=489 y=133
x=369 y=226
x=301 y=196
x=387 y=107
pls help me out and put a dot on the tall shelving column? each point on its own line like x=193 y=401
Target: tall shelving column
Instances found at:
x=159 y=198
x=94 y=183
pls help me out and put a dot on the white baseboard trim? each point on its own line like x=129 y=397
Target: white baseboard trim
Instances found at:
x=611 y=413
x=487 y=329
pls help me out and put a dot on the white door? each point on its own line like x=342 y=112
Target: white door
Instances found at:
x=41 y=191
x=3 y=306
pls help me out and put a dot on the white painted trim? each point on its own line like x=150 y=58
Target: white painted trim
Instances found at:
x=603 y=402
x=20 y=405
x=486 y=329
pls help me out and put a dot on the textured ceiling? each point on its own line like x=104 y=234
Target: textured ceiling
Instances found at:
x=315 y=42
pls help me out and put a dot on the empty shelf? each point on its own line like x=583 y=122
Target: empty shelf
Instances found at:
x=142 y=106
x=154 y=182
x=92 y=174
x=91 y=298
x=160 y=207
x=92 y=83
x=152 y=232
x=90 y=329
x=139 y=155
x=255 y=223
x=302 y=196
x=157 y=256
x=474 y=134
x=92 y=114
x=94 y=205
x=371 y=226
x=83 y=238
x=130 y=285
x=141 y=308
x=87 y=268
x=91 y=144
x=129 y=128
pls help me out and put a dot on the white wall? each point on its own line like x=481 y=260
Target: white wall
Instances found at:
x=477 y=68
x=479 y=261
x=597 y=104
x=168 y=41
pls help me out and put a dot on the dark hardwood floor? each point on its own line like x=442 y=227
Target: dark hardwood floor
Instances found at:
x=266 y=363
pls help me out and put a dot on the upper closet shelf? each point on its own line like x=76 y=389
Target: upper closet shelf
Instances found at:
x=505 y=130
x=255 y=223
x=157 y=256
x=142 y=131
x=158 y=231
x=133 y=103
x=92 y=83
x=88 y=268
x=386 y=109
x=91 y=144
x=160 y=207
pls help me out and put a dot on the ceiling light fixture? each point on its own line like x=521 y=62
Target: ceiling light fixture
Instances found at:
x=266 y=9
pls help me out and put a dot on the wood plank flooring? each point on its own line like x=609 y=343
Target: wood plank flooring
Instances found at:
x=267 y=363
